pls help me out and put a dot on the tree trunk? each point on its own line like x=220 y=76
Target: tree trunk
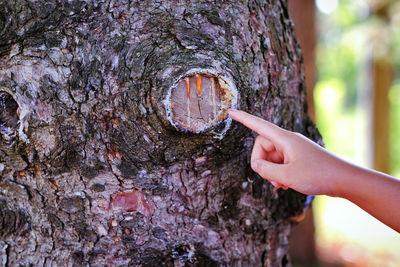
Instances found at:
x=302 y=239
x=116 y=148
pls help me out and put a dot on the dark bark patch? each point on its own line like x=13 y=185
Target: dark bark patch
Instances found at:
x=9 y=118
x=79 y=76
x=130 y=243
x=73 y=157
x=96 y=253
x=159 y=233
x=212 y=220
x=202 y=259
x=90 y=171
x=263 y=257
x=5 y=25
x=12 y=222
x=85 y=232
x=183 y=253
x=213 y=17
x=285 y=261
x=8 y=223
x=78 y=257
x=98 y=187
x=53 y=39
x=160 y=190
x=257 y=187
x=128 y=169
x=154 y=257
x=205 y=261
x=72 y=204
x=292 y=204
x=229 y=207
x=55 y=221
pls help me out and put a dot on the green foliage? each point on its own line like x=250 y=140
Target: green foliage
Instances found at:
x=338 y=65
x=347 y=37
x=394 y=97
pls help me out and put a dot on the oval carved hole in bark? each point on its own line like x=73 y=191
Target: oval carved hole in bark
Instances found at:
x=9 y=117
x=199 y=101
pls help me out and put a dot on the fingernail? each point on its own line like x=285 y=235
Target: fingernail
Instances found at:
x=254 y=165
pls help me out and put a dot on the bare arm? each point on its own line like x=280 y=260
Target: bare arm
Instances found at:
x=289 y=159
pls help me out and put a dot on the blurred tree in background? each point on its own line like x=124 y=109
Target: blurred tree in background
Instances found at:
x=351 y=37
x=357 y=101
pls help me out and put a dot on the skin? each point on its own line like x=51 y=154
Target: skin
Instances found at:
x=290 y=160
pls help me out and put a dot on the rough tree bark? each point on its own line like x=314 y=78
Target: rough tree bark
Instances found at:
x=94 y=169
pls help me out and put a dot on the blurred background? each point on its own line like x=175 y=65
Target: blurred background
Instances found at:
x=351 y=51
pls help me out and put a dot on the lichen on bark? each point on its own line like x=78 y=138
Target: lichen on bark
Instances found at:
x=97 y=175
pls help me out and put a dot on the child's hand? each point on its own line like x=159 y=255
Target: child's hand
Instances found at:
x=289 y=159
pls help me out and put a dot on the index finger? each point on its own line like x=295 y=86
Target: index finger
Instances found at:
x=260 y=126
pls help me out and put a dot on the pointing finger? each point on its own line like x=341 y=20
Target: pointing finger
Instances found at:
x=269 y=170
x=260 y=126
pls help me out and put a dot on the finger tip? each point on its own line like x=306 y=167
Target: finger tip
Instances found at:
x=232 y=111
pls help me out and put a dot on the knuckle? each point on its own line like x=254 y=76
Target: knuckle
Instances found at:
x=258 y=139
x=299 y=135
x=296 y=134
x=288 y=135
x=295 y=137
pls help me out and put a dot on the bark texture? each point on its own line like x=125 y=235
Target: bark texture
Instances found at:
x=93 y=173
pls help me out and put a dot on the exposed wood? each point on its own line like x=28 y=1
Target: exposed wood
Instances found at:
x=200 y=101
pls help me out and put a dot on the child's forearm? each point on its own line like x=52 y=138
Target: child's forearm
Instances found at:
x=376 y=193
